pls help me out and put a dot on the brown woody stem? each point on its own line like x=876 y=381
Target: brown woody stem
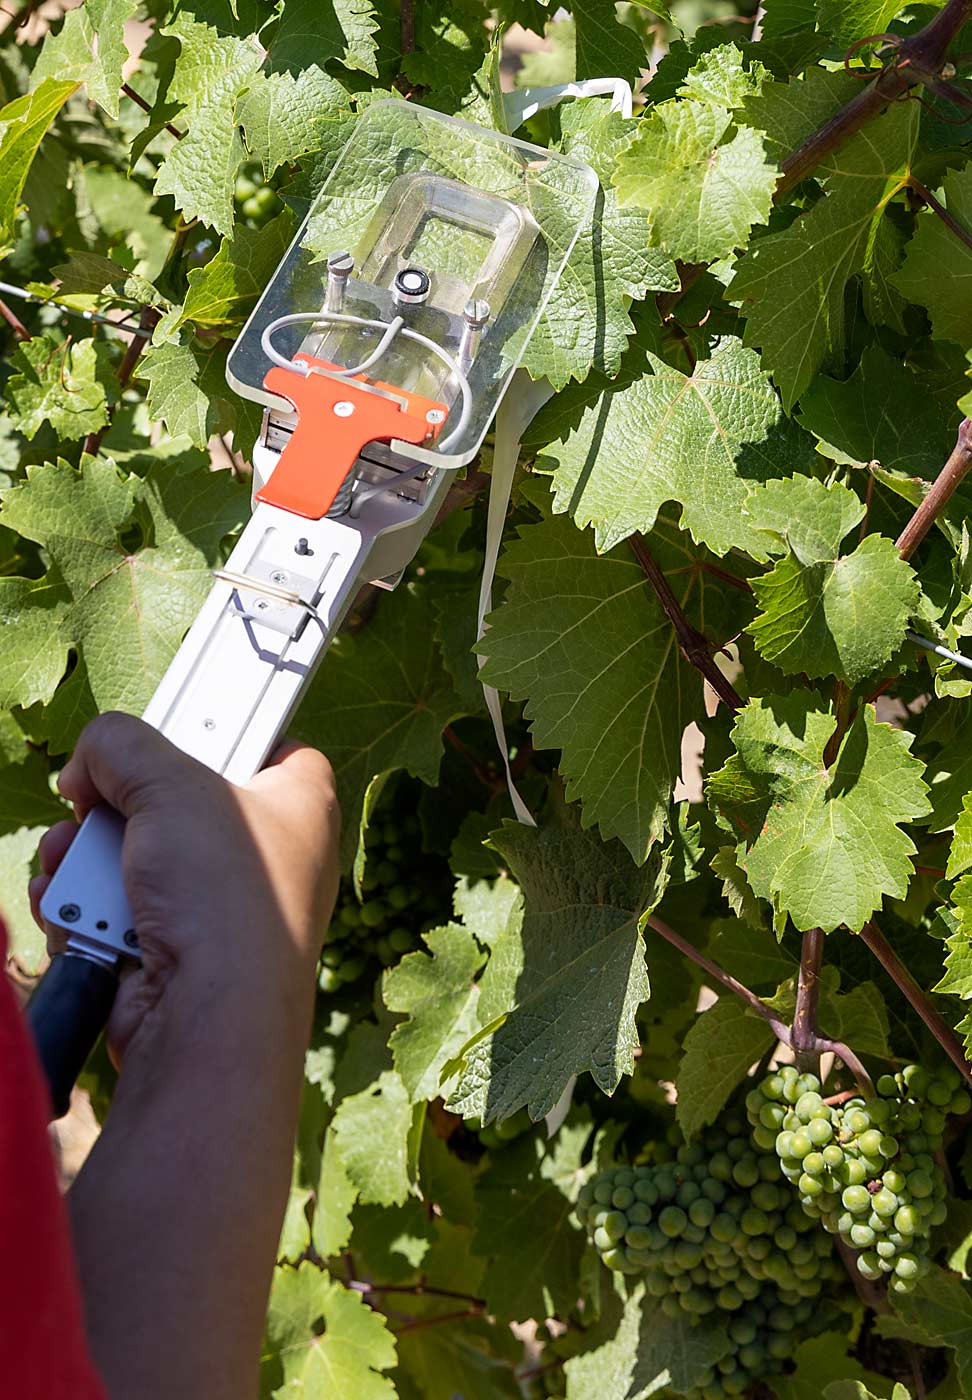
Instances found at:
x=693 y=646
x=918 y=998
x=940 y=492
x=14 y=322
x=917 y=59
x=148 y=320
x=407 y=22
x=937 y=207
x=140 y=101
x=419 y=1323
x=804 y=1033
x=869 y=1293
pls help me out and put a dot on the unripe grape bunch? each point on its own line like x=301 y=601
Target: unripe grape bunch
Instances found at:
x=716 y=1231
x=405 y=891
x=256 y=200
x=866 y=1167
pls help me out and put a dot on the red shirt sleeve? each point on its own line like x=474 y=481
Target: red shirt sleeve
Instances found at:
x=43 y=1351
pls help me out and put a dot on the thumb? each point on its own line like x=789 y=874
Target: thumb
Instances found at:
x=123 y=761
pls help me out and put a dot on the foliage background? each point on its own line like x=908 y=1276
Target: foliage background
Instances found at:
x=757 y=379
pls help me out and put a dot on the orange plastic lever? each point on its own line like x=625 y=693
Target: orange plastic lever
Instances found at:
x=336 y=418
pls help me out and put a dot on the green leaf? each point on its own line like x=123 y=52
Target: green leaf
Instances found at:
x=225 y=290
x=882 y=413
x=960 y=853
x=586 y=322
x=572 y=978
x=23 y=123
x=857 y=1390
x=90 y=48
x=735 y=887
x=723 y=77
x=286 y=116
x=317 y=31
x=517 y=1202
x=381 y=703
x=937 y=265
x=957 y=980
x=18 y=862
x=371 y=1132
x=792 y=284
x=57 y=383
x=939 y=1314
x=602 y=46
x=188 y=391
x=721 y=1046
x=698 y=440
x=704 y=182
x=91 y=275
x=438 y=994
x=821 y=1361
x=583 y=640
x=123 y=608
x=824 y=845
x=648 y=1353
x=336 y=1195
x=328 y=1340
x=823 y=613
x=210 y=74
x=26 y=798
x=850 y=20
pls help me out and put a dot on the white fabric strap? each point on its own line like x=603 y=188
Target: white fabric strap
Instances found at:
x=524 y=103
x=521 y=402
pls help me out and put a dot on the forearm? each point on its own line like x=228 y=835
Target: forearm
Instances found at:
x=177 y=1212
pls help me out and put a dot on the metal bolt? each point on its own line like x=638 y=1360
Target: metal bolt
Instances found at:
x=340 y=263
x=209 y=724
x=278 y=576
x=130 y=938
x=434 y=415
x=476 y=311
x=70 y=913
x=302 y=547
x=261 y=604
x=343 y=409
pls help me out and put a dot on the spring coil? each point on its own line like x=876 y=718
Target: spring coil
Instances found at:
x=342 y=501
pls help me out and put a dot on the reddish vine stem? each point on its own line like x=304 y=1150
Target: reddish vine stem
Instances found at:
x=803 y=1036
x=14 y=322
x=407 y=15
x=140 y=101
x=489 y=780
x=918 y=998
x=918 y=59
x=950 y=222
x=693 y=646
x=940 y=492
x=422 y=1290
x=148 y=320
x=869 y=1293
x=419 y=1323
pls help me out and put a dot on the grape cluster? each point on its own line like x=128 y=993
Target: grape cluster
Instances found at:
x=257 y=201
x=865 y=1167
x=405 y=893
x=716 y=1230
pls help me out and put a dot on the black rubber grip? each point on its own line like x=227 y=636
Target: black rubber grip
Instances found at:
x=67 y=1014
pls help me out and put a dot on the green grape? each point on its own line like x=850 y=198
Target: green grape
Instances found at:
x=862 y=1236
x=856 y=1199
x=672 y=1220
x=820 y=1131
x=800 y=1145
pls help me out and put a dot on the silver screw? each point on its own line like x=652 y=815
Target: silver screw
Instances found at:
x=209 y=724
x=278 y=576
x=434 y=415
x=261 y=605
x=70 y=913
x=131 y=938
x=343 y=409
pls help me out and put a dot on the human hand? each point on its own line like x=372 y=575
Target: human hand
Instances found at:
x=231 y=888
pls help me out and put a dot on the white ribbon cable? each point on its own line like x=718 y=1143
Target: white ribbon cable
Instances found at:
x=521 y=402
x=520 y=105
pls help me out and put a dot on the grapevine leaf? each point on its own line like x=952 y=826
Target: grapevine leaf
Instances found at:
x=882 y=413
x=124 y=609
x=755 y=958
x=857 y=1390
x=438 y=993
x=371 y=1132
x=90 y=274
x=18 y=862
x=285 y=117
x=791 y=284
x=586 y=321
x=381 y=703
x=90 y=48
x=312 y=32
x=704 y=182
x=824 y=613
x=937 y=266
x=850 y=20
x=957 y=980
x=786 y=113
x=939 y=1313
x=579 y=973
x=23 y=123
x=224 y=291
x=820 y=1361
x=25 y=795
x=188 y=390
x=825 y=845
x=649 y=1353
x=517 y=1201
x=336 y=1195
x=721 y=1046
x=450 y=46
x=604 y=46
x=56 y=383
x=583 y=640
x=735 y=887
x=210 y=74
x=723 y=77
x=490 y=908
x=33 y=657
x=326 y=1338
x=697 y=440
x=960 y=854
